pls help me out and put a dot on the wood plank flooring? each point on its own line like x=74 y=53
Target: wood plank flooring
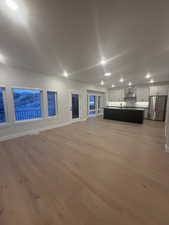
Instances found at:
x=97 y=172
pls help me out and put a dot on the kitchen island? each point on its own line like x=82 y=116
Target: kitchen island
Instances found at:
x=134 y=115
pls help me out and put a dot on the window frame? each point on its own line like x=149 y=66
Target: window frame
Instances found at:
x=42 y=104
x=4 y=95
x=98 y=111
x=56 y=103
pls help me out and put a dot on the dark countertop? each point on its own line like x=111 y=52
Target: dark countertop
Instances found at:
x=125 y=108
x=134 y=115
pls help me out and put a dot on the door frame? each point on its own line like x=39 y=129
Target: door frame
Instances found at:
x=97 y=109
x=101 y=104
x=80 y=105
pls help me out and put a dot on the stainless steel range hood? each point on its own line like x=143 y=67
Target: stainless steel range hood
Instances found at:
x=130 y=95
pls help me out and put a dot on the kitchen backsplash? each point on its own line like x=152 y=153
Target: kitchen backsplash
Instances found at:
x=127 y=104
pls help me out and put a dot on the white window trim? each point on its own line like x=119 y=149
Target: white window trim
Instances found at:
x=42 y=105
x=8 y=104
x=28 y=121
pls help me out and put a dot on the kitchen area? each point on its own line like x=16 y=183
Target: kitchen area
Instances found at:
x=135 y=104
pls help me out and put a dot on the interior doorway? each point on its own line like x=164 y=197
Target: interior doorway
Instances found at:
x=75 y=106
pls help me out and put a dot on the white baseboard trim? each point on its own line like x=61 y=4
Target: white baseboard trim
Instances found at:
x=96 y=115
x=167 y=148
x=16 y=135
x=34 y=132
x=82 y=120
x=78 y=120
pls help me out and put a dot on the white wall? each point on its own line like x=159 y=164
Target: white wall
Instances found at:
x=10 y=78
x=167 y=126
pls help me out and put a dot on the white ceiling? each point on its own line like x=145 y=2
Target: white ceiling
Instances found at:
x=73 y=35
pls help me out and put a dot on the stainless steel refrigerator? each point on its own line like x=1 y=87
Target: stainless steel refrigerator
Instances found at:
x=157 y=107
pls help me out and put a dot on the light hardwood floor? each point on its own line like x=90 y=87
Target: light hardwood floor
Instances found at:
x=97 y=172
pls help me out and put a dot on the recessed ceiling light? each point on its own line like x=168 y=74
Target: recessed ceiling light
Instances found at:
x=102 y=82
x=103 y=62
x=121 y=80
x=129 y=84
x=12 y=5
x=151 y=81
x=65 y=74
x=148 y=75
x=107 y=74
x=2 y=59
x=113 y=86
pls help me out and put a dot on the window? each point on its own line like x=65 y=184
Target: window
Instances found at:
x=2 y=107
x=51 y=95
x=92 y=104
x=27 y=104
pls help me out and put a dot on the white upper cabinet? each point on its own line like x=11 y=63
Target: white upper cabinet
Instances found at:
x=159 y=90
x=142 y=94
x=116 y=95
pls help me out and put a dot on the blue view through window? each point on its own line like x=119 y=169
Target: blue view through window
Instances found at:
x=92 y=102
x=51 y=103
x=27 y=104
x=92 y=105
x=92 y=112
x=2 y=108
